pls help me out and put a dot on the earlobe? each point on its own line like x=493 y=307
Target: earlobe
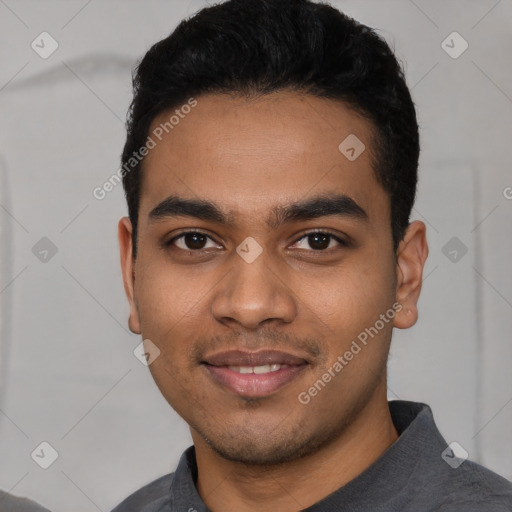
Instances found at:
x=128 y=271
x=411 y=256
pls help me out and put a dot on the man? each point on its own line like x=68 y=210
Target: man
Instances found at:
x=270 y=169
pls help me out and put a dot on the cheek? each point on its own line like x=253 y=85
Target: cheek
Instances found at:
x=168 y=296
x=350 y=297
x=173 y=308
x=169 y=306
x=346 y=307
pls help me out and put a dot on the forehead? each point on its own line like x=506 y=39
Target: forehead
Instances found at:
x=253 y=154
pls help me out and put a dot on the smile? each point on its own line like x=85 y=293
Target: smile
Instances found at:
x=254 y=374
x=266 y=368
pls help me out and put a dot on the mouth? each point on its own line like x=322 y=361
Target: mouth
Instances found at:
x=254 y=374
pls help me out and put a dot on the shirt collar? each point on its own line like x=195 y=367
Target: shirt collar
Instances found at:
x=387 y=476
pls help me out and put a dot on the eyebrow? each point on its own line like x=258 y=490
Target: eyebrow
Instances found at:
x=339 y=205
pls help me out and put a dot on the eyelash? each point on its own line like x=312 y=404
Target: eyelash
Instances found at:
x=342 y=242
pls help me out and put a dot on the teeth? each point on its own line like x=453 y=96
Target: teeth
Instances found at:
x=262 y=369
x=266 y=368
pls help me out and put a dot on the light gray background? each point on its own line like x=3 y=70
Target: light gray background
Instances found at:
x=68 y=373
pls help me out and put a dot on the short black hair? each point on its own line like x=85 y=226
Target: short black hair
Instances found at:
x=256 y=47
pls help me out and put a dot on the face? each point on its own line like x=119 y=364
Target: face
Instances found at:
x=264 y=257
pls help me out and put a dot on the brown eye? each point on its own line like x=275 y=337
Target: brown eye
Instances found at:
x=190 y=241
x=194 y=240
x=320 y=241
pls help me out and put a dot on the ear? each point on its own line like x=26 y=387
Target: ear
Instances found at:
x=411 y=256
x=128 y=270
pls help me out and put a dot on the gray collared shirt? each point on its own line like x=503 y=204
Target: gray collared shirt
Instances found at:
x=417 y=473
x=10 y=503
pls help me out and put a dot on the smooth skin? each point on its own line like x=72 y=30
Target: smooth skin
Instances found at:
x=195 y=297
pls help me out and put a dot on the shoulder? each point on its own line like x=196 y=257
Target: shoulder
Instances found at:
x=10 y=503
x=474 y=488
x=439 y=480
x=150 y=498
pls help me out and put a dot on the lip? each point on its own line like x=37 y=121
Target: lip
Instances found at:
x=262 y=357
x=252 y=385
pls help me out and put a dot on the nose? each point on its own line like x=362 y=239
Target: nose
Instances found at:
x=253 y=293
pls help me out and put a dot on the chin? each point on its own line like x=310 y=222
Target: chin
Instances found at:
x=270 y=449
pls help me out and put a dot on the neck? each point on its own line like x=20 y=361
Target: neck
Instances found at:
x=230 y=486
